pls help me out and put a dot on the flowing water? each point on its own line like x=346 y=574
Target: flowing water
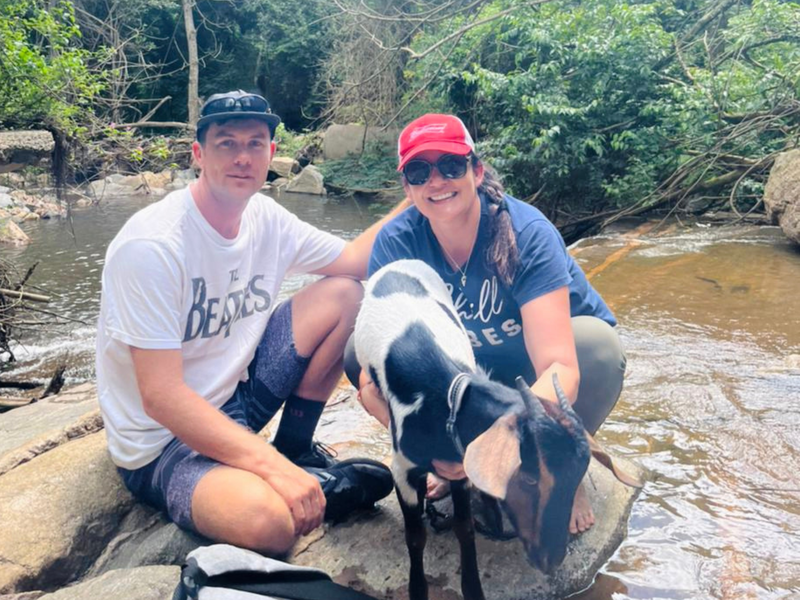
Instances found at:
x=711 y=406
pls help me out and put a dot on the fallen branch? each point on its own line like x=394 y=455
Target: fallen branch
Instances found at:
x=20 y=385
x=9 y=403
x=56 y=383
x=20 y=295
x=156 y=124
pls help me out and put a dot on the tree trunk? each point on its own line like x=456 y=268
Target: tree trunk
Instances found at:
x=191 y=42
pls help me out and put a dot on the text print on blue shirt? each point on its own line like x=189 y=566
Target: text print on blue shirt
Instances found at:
x=488 y=307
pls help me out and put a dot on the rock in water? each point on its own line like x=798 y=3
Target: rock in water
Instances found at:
x=782 y=194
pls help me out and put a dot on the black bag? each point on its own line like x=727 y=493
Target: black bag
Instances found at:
x=223 y=572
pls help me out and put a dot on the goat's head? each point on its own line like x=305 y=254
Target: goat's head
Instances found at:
x=533 y=462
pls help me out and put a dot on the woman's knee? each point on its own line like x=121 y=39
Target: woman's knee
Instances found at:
x=602 y=363
x=597 y=342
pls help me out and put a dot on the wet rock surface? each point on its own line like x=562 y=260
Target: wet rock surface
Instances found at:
x=369 y=552
x=67 y=517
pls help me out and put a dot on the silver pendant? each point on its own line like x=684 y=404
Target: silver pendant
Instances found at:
x=463 y=280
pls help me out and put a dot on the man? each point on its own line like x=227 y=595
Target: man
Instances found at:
x=194 y=355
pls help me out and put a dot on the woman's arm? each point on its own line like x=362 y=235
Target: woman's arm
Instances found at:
x=547 y=328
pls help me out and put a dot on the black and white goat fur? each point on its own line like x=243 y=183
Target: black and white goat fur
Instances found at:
x=530 y=454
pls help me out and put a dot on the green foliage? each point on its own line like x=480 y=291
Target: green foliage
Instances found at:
x=374 y=169
x=290 y=144
x=588 y=103
x=43 y=73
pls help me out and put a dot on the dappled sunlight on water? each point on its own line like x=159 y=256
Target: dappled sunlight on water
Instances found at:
x=709 y=322
x=709 y=319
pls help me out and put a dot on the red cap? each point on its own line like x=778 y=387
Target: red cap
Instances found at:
x=444 y=133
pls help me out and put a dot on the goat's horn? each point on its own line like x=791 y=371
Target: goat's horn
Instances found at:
x=562 y=397
x=532 y=403
x=563 y=402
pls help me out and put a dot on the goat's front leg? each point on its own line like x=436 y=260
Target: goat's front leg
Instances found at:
x=410 y=487
x=465 y=531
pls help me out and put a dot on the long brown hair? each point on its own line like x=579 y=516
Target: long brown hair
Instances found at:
x=502 y=254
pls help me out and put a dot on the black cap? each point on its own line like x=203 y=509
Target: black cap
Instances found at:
x=237 y=105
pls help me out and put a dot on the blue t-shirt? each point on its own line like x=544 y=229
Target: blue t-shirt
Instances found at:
x=489 y=309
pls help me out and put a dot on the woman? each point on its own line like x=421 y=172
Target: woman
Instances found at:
x=527 y=306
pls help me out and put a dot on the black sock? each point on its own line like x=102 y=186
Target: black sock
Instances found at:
x=296 y=430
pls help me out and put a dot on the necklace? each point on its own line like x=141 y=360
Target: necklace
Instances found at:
x=454 y=262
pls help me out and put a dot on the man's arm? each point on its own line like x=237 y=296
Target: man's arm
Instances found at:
x=354 y=259
x=167 y=399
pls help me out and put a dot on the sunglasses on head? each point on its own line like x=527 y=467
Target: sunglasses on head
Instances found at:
x=450 y=166
x=249 y=103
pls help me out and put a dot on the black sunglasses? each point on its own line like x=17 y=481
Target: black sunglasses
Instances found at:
x=450 y=166
x=249 y=103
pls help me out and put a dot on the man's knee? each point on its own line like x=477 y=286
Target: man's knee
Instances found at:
x=271 y=532
x=347 y=295
x=237 y=507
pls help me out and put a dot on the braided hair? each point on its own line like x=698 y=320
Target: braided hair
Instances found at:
x=502 y=253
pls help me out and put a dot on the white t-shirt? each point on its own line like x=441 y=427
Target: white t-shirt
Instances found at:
x=171 y=281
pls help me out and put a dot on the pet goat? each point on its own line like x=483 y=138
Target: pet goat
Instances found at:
x=530 y=454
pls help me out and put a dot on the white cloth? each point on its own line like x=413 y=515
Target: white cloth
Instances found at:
x=171 y=281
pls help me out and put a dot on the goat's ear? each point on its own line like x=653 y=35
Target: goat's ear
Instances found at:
x=493 y=457
x=604 y=459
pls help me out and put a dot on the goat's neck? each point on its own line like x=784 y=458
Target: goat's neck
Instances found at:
x=483 y=404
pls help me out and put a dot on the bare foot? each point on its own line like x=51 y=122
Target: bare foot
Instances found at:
x=436 y=487
x=582 y=517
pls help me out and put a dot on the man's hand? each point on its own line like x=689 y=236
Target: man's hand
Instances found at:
x=302 y=494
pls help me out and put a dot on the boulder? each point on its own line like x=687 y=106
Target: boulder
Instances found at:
x=145 y=537
x=31 y=430
x=279 y=182
x=152 y=182
x=59 y=512
x=10 y=233
x=309 y=181
x=5 y=198
x=67 y=517
x=370 y=554
x=342 y=140
x=13 y=180
x=107 y=187
x=782 y=194
x=22 y=148
x=181 y=178
x=145 y=583
x=284 y=166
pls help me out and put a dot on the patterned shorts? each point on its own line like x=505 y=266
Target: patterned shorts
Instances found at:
x=169 y=481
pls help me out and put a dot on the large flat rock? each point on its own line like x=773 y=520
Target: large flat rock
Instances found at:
x=145 y=583
x=20 y=148
x=58 y=512
x=370 y=554
x=31 y=430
